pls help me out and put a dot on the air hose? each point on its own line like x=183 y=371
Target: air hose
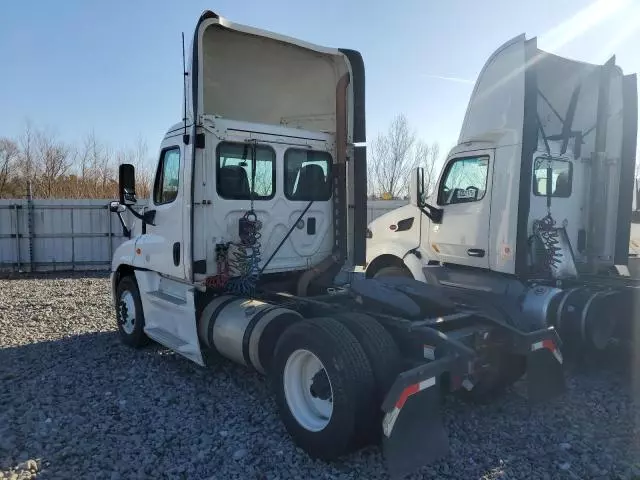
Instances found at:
x=545 y=229
x=245 y=256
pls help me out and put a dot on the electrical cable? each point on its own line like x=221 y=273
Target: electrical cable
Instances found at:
x=245 y=256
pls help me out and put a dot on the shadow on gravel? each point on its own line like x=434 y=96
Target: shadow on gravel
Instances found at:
x=86 y=406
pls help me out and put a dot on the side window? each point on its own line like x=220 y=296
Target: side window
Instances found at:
x=307 y=175
x=165 y=189
x=465 y=180
x=559 y=172
x=234 y=171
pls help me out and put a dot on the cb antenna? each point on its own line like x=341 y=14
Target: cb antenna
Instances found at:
x=185 y=74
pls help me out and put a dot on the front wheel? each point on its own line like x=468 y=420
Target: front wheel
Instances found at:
x=323 y=385
x=129 y=313
x=392 y=271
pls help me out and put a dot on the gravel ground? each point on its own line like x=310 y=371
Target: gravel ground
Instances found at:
x=75 y=403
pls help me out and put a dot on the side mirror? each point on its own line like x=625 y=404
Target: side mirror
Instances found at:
x=416 y=187
x=127 y=184
x=417 y=196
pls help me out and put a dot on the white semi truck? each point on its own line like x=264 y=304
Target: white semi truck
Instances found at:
x=531 y=213
x=252 y=247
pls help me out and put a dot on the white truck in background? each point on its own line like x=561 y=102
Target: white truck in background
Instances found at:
x=531 y=213
x=634 y=240
x=252 y=249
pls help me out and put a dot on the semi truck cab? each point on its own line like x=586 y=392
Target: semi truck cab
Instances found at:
x=538 y=190
x=251 y=248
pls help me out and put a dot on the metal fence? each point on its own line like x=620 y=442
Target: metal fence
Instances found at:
x=46 y=235
x=42 y=235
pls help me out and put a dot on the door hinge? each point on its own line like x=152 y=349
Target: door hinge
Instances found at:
x=200 y=140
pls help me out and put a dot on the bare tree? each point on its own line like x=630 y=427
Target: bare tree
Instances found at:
x=393 y=155
x=8 y=156
x=430 y=169
x=26 y=161
x=141 y=160
x=392 y=158
x=52 y=161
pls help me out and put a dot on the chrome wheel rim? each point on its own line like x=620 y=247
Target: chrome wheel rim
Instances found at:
x=127 y=312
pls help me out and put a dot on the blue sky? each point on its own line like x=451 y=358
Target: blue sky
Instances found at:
x=115 y=67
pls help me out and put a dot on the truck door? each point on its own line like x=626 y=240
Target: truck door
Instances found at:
x=162 y=246
x=463 y=193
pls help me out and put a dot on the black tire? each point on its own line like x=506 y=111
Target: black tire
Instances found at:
x=351 y=381
x=385 y=360
x=137 y=337
x=392 y=271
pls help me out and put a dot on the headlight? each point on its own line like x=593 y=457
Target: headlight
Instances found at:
x=369 y=234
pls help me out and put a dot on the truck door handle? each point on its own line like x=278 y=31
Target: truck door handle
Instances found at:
x=475 y=252
x=176 y=254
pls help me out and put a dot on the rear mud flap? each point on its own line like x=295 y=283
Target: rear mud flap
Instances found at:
x=417 y=437
x=412 y=428
x=545 y=374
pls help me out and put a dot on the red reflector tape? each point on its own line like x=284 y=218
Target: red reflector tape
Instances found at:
x=406 y=393
x=390 y=418
x=549 y=345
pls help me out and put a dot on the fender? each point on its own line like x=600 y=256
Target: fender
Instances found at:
x=408 y=253
x=124 y=254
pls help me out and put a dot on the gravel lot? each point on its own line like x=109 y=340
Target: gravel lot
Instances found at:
x=75 y=403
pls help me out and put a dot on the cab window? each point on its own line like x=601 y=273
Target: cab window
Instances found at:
x=553 y=173
x=307 y=175
x=465 y=180
x=234 y=171
x=167 y=177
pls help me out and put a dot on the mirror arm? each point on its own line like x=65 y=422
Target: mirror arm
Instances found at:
x=147 y=217
x=126 y=231
x=433 y=213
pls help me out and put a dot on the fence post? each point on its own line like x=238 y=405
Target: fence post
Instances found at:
x=110 y=235
x=73 y=243
x=16 y=208
x=30 y=224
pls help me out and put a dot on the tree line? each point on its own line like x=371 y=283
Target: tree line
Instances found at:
x=39 y=162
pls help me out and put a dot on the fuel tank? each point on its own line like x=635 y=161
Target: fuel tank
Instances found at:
x=244 y=330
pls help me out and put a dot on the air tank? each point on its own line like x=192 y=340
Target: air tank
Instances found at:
x=244 y=330
x=588 y=314
x=584 y=316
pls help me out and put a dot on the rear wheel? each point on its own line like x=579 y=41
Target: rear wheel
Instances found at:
x=384 y=358
x=392 y=271
x=129 y=313
x=323 y=384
